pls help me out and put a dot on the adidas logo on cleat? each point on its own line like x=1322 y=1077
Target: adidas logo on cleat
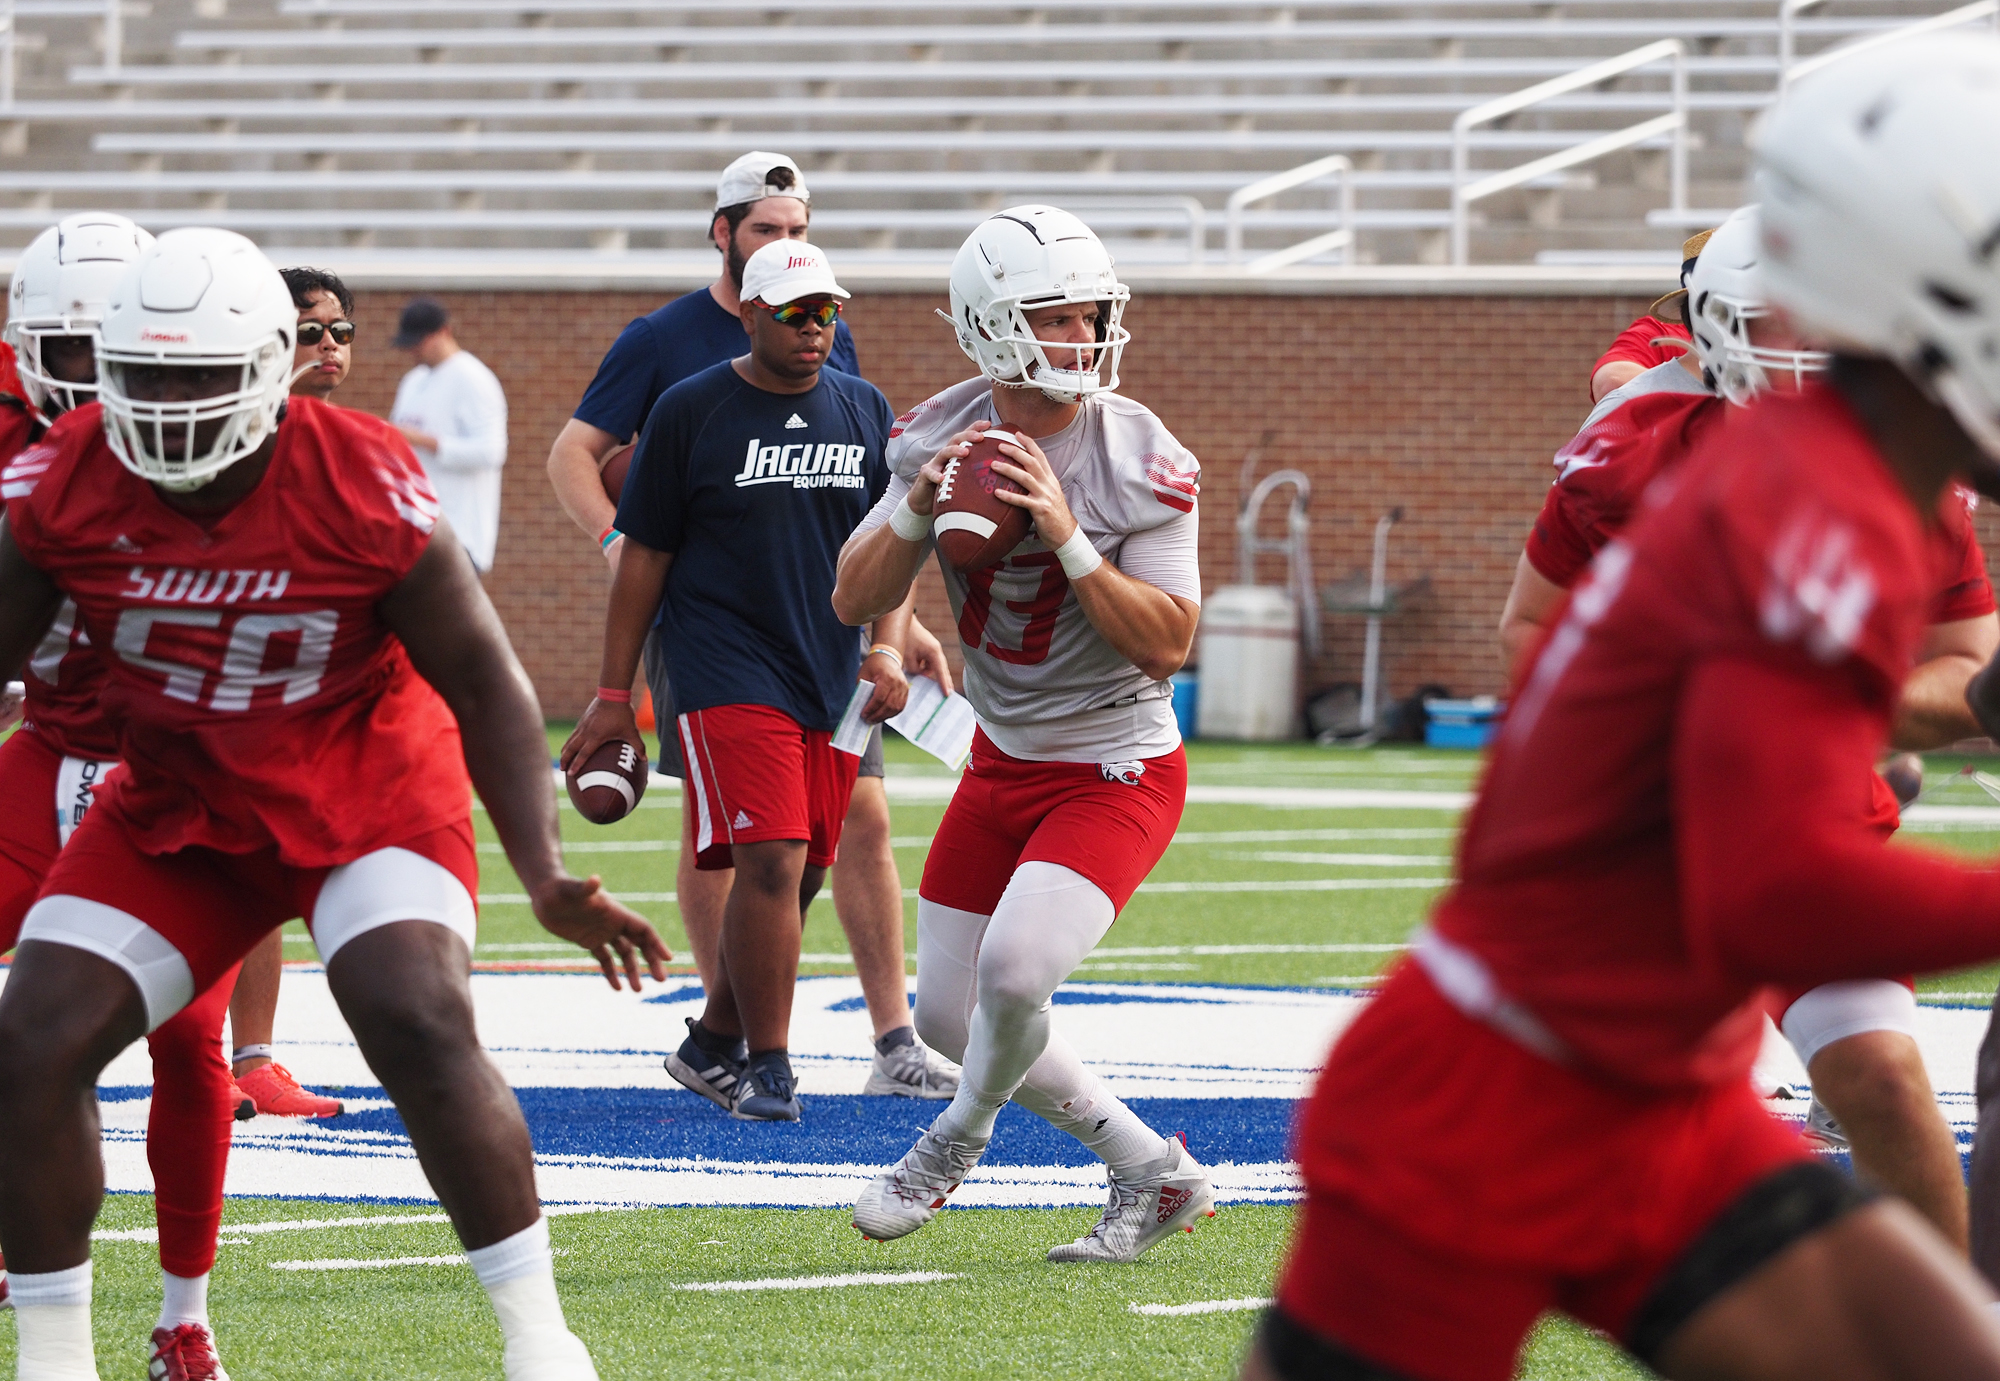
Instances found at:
x=1172 y=1201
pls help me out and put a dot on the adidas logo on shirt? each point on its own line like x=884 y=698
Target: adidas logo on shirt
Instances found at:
x=795 y=422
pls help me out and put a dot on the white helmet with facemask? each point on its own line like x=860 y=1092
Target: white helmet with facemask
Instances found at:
x=1878 y=184
x=1028 y=257
x=198 y=298
x=61 y=282
x=1725 y=295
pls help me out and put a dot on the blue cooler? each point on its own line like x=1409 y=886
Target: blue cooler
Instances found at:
x=1462 y=723
x=1187 y=686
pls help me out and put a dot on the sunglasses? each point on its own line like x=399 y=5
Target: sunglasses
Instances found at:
x=311 y=332
x=825 y=311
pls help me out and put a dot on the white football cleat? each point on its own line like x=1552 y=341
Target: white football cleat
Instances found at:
x=898 y=1203
x=1139 y=1213
x=548 y=1355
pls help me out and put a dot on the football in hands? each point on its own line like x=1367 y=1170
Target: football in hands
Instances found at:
x=606 y=786
x=975 y=528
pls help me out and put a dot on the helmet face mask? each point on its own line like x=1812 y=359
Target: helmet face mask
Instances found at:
x=1019 y=261
x=199 y=300
x=1725 y=301
x=59 y=289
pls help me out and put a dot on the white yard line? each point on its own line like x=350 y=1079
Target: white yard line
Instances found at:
x=1207 y=1306
x=822 y=1282
x=373 y=1220
x=350 y=1263
x=1341 y=860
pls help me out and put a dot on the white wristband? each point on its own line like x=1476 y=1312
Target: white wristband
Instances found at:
x=1078 y=557
x=907 y=523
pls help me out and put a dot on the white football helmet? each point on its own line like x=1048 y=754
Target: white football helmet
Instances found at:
x=1878 y=179
x=1724 y=296
x=1036 y=256
x=60 y=285
x=197 y=297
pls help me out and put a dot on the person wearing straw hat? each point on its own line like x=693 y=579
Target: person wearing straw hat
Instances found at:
x=1661 y=335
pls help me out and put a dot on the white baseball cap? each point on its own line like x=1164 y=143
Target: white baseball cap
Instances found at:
x=749 y=179
x=786 y=270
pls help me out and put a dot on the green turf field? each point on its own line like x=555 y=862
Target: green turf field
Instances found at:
x=1004 y=1312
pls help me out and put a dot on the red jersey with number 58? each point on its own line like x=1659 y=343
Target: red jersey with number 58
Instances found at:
x=259 y=696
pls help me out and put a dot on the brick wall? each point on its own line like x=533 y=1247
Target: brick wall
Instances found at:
x=1449 y=406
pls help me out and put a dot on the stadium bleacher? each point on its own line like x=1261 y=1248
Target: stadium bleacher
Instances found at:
x=561 y=129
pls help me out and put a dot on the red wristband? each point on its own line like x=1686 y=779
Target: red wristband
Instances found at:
x=616 y=697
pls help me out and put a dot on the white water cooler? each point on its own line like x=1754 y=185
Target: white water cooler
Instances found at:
x=1249 y=664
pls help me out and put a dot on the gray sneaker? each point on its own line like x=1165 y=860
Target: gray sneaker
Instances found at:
x=1821 y=1129
x=1140 y=1212
x=898 y=1203
x=912 y=1071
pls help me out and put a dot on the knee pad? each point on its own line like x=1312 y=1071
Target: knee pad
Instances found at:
x=1834 y=1011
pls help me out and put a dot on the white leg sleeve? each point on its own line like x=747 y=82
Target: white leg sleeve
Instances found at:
x=1834 y=1011
x=1048 y=919
x=947 y=952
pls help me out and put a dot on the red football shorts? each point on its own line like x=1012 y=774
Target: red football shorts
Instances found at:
x=41 y=791
x=1458 y=1185
x=176 y=922
x=1109 y=822
x=755 y=774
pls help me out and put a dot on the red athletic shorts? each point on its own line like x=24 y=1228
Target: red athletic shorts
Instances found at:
x=213 y=908
x=1459 y=1185
x=1108 y=822
x=756 y=775
x=40 y=792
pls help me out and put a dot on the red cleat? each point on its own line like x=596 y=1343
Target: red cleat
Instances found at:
x=276 y=1092
x=185 y=1352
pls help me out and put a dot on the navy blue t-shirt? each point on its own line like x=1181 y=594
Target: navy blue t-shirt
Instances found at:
x=754 y=493
x=660 y=349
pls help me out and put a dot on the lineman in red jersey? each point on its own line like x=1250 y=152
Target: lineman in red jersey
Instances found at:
x=1548 y=1108
x=49 y=769
x=1857 y=1040
x=291 y=630
x=1078 y=776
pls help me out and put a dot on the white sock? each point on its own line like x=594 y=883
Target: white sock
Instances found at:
x=184 y=1299
x=519 y=1275
x=1097 y=1118
x=52 y=1314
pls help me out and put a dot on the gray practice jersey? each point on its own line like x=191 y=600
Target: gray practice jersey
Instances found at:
x=1046 y=687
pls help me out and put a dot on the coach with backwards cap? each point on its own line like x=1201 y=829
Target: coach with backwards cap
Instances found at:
x=761 y=199
x=747 y=479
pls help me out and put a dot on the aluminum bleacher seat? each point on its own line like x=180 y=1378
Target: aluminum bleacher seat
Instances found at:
x=579 y=126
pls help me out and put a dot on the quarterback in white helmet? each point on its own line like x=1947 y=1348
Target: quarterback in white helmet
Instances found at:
x=289 y=630
x=1078 y=777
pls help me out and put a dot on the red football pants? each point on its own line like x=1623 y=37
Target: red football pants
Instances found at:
x=187 y=1131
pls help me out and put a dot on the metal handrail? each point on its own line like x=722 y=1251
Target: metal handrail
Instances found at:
x=1790 y=71
x=1188 y=207
x=1675 y=122
x=1337 y=166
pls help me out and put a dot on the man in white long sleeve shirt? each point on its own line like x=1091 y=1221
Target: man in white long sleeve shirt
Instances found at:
x=454 y=413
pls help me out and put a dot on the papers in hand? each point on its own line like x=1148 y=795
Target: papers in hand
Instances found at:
x=939 y=724
x=851 y=734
